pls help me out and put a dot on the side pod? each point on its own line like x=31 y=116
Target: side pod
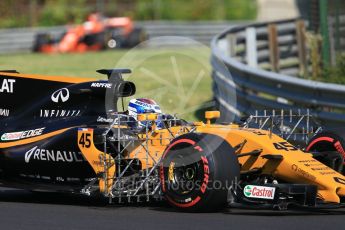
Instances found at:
x=102 y=163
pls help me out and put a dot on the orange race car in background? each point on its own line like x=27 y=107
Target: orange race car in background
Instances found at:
x=96 y=33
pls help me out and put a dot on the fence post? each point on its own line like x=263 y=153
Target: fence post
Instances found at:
x=33 y=13
x=337 y=25
x=324 y=31
x=251 y=52
x=301 y=45
x=331 y=40
x=231 y=39
x=273 y=47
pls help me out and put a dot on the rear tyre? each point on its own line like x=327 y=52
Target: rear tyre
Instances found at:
x=40 y=40
x=197 y=172
x=137 y=36
x=113 y=39
x=332 y=143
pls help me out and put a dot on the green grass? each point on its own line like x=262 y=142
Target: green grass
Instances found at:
x=23 y=13
x=178 y=79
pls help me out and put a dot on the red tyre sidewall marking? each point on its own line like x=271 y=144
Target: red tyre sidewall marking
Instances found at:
x=166 y=151
x=197 y=199
x=206 y=174
x=337 y=145
x=177 y=142
x=328 y=139
x=198 y=148
x=190 y=204
x=340 y=149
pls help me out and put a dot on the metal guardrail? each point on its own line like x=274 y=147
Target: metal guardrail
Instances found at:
x=255 y=88
x=22 y=39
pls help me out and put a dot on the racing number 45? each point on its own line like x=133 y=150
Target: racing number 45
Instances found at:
x=85 y=140
x=284 y=146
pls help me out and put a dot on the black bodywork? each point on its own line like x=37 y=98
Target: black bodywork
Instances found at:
x=39 y=127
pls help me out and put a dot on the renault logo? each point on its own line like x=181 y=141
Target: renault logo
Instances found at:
x=61 y=95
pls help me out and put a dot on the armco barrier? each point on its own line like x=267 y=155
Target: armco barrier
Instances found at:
x=22 y=39
x=257 y=87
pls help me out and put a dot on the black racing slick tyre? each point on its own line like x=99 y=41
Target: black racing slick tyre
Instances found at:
x=113 y=39
x=197 y=172
x=329 y=141
x=40 y=40
x=137 y=36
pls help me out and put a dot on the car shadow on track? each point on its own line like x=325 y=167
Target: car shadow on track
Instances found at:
x=265 y=212
x=290 y=212
x=24 y=196
x=251 y=212
x=52 y=198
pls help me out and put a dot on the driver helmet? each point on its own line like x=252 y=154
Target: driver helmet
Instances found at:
x=142 y=106
x=94 y=17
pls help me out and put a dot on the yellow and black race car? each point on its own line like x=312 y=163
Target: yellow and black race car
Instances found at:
x=67 y=135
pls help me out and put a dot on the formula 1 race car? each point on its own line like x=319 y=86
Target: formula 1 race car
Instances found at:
x=68 y=135
x=96 y=33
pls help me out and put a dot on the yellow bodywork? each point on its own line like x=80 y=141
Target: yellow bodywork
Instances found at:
x=276 y=156
x=102 y=163
x=295 y=166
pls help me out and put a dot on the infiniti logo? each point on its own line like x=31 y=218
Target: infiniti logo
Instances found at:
x=61 y=95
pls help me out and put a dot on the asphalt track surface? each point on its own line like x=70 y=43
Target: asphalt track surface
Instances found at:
x=25 y=210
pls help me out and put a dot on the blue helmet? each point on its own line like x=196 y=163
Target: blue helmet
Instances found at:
x=143 y=105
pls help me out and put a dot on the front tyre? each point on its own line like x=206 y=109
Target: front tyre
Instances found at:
x=332 y=143
x=197 y=172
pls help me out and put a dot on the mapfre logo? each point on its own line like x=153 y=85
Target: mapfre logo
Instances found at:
x=101 y=85
x=260 y=192
x=61 y=95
